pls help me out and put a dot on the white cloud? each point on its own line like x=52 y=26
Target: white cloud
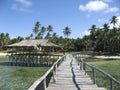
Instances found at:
x=108 y=0
x=118 y=23
x=86 y=32
x=100 y=20
x=22 y=5
x=25 y=3
x=98 y=5
x=88 y=15
x=94 y=6
x=113 y=9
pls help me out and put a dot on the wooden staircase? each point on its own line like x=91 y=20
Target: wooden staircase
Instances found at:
x=69 y=77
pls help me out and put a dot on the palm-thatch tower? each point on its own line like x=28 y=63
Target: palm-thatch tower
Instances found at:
x=30 y=45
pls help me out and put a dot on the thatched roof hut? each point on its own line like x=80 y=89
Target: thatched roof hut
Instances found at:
x=38 y=44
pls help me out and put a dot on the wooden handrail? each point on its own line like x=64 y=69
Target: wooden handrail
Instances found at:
x=104 y=73
x=43 y=78
x=111 y=78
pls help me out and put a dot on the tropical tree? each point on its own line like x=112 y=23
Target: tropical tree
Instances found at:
x=43 y=30
x=92 y=32
x=105 y=30
x=93 y=36
x=39 y=36
x=4 y=39
x=49 y=31
x=1 y=40
x=47 y=36
x=67 y=31
x=54 y=38
x=36 y=28
x=50 y=28
x=18 y=39
x=114 y=20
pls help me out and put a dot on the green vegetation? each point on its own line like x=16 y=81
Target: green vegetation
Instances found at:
x=18 y=78
x=103 y=39
x=112 y=67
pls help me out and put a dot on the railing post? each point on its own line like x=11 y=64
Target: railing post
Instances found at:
x=53 y=76
x=84 y=64
x=44 y=83
x=81 y=64
x=94 y=79
x=110 y=84
x=55 y=68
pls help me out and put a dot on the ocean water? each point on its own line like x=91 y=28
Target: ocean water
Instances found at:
x=18 y=77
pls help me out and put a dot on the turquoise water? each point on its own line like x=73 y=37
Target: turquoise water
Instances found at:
x=18 y=77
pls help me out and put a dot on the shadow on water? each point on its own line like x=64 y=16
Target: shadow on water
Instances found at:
x=77 y=86
x=4 y=63
x=23 y=64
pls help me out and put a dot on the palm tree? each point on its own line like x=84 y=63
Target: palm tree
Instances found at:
x=47 y=36
x=2 y=36
x=43 y=30
x=36 y=28
x=49 y=31
x=92 y=32
x=39 y=36
x=54 y=38
x=105 y=30
x=114 y=20
x=67 y=31
x=7 y=39
x=50 y=28
x=93 y=36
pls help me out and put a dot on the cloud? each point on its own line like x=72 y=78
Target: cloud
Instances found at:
x=25 y=3
x=98 y=5
x=102 y=20
x=114 y=9
x=108 y=0
x=86 y=32
x=22 y=5
x=94 y=6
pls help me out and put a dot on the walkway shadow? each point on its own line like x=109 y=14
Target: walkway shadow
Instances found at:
x=23 y=64
x=77 y=86
x=4 y=63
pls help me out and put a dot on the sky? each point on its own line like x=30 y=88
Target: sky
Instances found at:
x=18 y=17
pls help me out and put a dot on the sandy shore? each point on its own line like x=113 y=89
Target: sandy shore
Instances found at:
x=3 y=54
x=108 y=57
x=101 y=57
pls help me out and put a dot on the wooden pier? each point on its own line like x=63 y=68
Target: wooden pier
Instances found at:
x=69 y=77
x=66 y=75
x=30 y=59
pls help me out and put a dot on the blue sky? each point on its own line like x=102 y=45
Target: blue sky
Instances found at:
x=18 y=17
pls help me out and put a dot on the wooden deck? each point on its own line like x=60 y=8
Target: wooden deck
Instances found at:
x=69 y=77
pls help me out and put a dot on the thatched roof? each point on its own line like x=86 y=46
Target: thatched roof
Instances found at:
x=34 y=43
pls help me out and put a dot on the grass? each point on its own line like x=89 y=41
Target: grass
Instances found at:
x=112 y=67
x=18 y=78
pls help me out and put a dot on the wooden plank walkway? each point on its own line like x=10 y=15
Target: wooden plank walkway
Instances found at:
x=69 y=77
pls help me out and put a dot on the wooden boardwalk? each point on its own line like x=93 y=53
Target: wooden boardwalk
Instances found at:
x=69 y=77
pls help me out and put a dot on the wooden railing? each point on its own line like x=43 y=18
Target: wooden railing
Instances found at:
x=32 y=59
x=84 y=65
x=42 y=83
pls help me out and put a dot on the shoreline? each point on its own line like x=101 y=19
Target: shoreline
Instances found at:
x=102 y=57
x=3 y=54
